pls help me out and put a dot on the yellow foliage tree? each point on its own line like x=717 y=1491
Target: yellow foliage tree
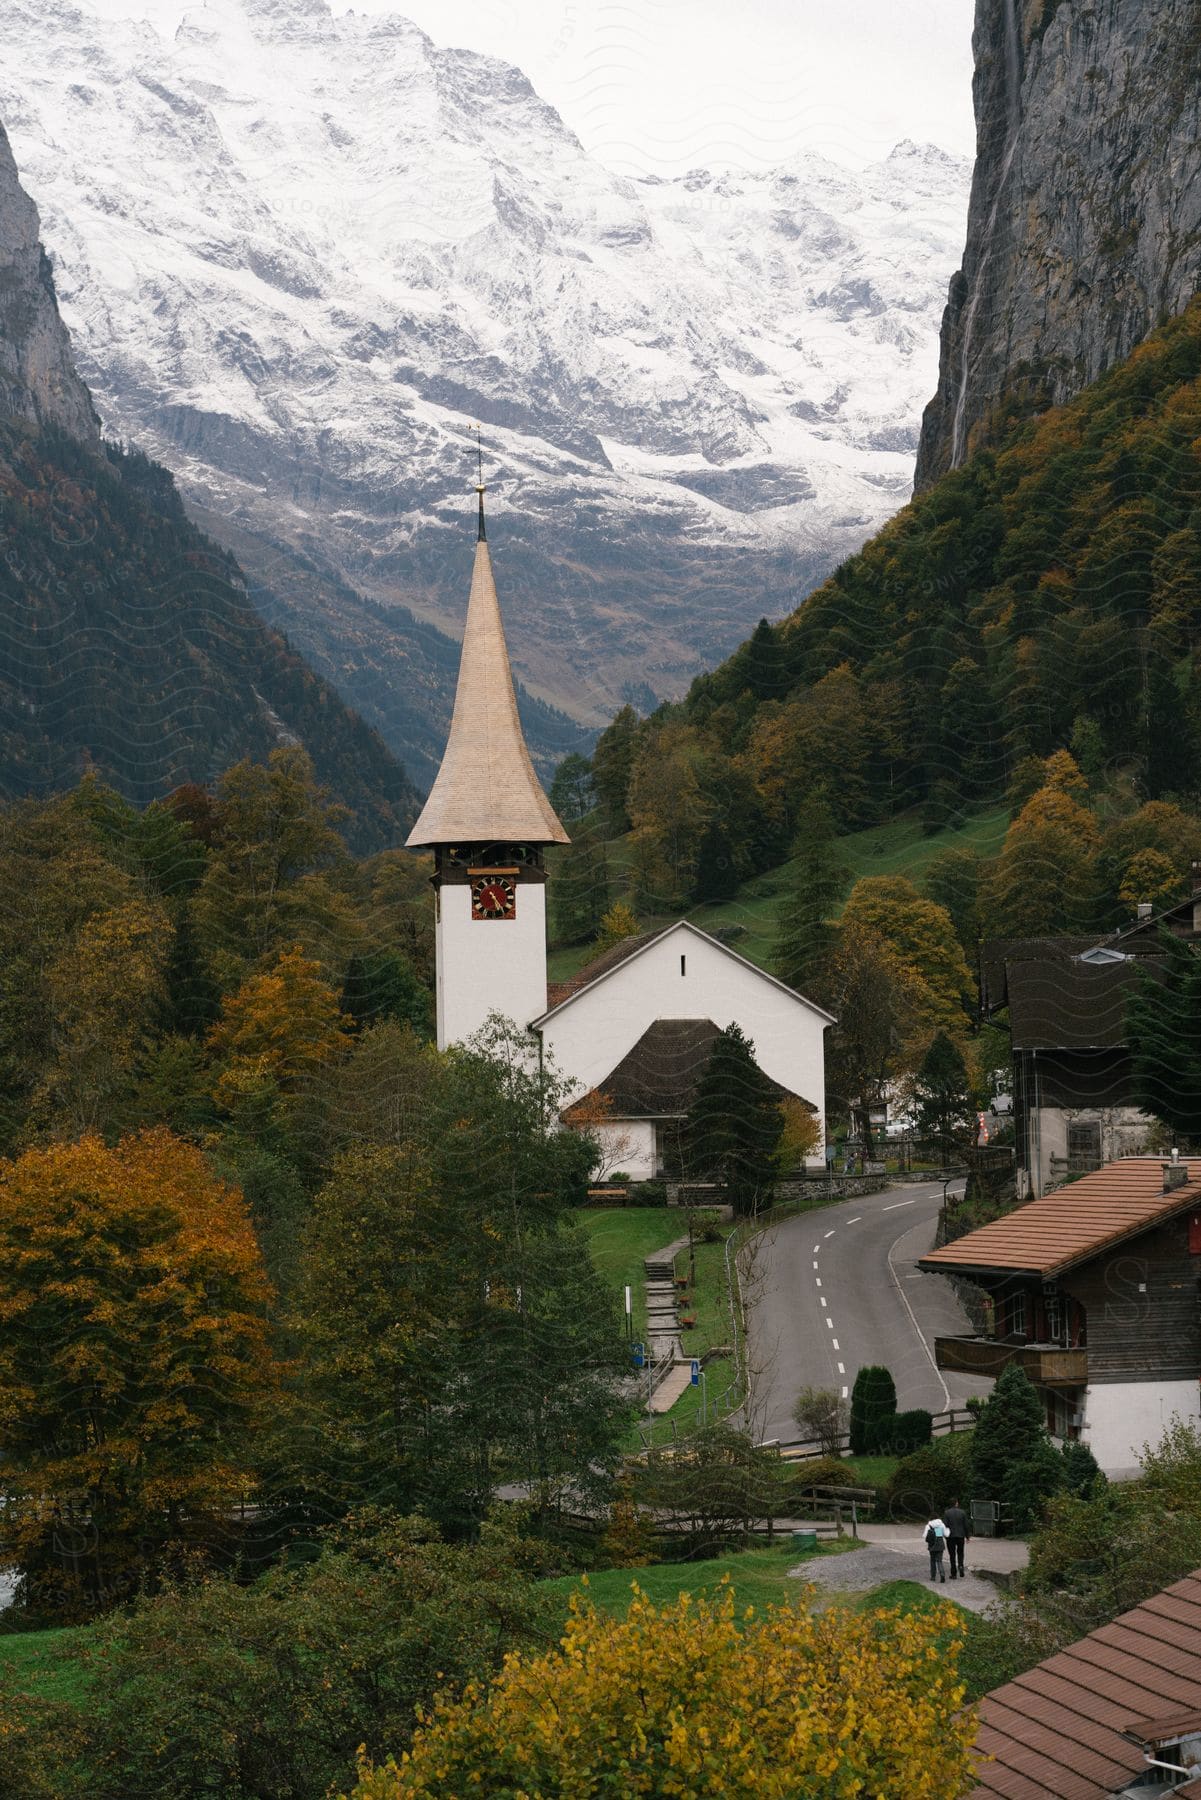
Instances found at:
x=922 y=936
x=135 y=1361
x=279 y=1027
x=693 y=1700
x=619 y=923
x=1044 y=878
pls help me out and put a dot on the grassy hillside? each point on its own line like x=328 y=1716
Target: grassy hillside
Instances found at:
x=900 y=847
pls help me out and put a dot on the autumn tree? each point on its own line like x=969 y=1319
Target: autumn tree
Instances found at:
x=618 y=924
x=699 y=1697
x=105 y=988
x=873 y=997
x=277 y=1028
x=1043 y=880
x=922 y=935
x=134 y=1364
x=669 y=810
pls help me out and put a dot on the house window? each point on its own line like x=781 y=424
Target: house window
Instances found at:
x=682 y=965
x=1054 y=1311
x=1015 y=1316
x=1084 y=1145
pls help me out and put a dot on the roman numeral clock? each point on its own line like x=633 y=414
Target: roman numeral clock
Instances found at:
x=493 y=893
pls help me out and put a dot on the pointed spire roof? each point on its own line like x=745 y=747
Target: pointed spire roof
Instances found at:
x=486 y=790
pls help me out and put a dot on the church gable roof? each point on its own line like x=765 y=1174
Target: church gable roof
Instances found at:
x=658 y=1078
x=566 y=994
x=486 y=790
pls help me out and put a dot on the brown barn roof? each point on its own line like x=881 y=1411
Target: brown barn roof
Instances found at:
x=1065 y=1004
x=1075 y=1222
x=1068 y=1728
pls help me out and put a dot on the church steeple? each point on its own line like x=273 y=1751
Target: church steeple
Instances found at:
x=486 y=790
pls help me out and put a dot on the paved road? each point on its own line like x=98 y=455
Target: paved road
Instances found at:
x=834 y=1289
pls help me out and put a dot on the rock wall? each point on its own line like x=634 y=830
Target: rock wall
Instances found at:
x=37 y=376
x=1084 y=228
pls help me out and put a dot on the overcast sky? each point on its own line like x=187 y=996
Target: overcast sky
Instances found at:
x=659 y=86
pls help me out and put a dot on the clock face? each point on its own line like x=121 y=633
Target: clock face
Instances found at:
x=493 y=894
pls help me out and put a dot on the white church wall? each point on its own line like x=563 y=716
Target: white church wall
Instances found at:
x=628 y=1146
x=489 y=965
x=686 y=975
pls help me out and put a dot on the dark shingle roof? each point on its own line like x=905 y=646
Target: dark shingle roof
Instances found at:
x=558 y=991
x=658 y=1078
x=1065 y=1004
x=1059 y=1731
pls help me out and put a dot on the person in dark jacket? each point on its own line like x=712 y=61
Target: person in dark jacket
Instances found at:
x=958 y=1531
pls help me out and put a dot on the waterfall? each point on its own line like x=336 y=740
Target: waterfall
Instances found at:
x=1013 y=125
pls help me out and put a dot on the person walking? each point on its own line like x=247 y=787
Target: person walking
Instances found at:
x=936 y=1544
x=958 y=1531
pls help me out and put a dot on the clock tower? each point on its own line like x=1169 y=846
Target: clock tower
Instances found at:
x=488 y=823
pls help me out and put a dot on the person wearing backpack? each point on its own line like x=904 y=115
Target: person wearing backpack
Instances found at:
x=936 y=1543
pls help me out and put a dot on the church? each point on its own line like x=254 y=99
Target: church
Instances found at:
x=631 y=1033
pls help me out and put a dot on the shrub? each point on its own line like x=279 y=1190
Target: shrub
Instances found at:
x=821 y=1413
x=647 y=1193
x=908 y=1432
x=873 y=1408
x=1081 y=1472
x=268 y=1691
x=691 y=1699
x=929 y=1479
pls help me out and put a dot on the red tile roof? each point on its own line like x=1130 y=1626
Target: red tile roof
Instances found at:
x=1059 y=1731
x=1075 y=1222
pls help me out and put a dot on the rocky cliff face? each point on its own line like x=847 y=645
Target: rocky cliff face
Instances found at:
x=1084 y=230
x=37 y=377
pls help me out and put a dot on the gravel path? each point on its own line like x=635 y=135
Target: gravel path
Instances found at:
x=867 y=1568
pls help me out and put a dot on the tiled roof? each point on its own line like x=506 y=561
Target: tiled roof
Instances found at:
x=558 y=991
x=1059 y=1731
x=1075 y=1222
x=658 y=1078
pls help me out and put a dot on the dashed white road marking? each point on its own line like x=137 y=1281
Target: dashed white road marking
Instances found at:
x=830 y=1233
x=853 y=1221
x=829 y=1320
x=816 y=1248
x=817 y=1280
x=842 y=1369
x=895 y=1205
x=815 y=1259
x=823 y=1299
x=834 y=1341
x=844 y=1391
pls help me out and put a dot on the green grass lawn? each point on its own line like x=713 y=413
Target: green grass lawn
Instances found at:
x=871 y=1471
x=759 y=1577
x=620 y=1238
x=708 y=1299
x=46 y=1663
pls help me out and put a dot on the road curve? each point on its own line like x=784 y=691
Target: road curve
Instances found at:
x=829 y=1291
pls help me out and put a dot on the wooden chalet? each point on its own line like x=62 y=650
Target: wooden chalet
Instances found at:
x=1095 y=1290
x=1072 y=1086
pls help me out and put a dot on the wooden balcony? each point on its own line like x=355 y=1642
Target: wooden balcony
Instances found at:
x=1047 y=1365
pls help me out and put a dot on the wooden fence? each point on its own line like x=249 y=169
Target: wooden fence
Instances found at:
x=810 y=1449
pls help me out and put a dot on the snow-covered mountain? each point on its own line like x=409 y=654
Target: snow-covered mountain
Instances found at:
x=300 y=255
